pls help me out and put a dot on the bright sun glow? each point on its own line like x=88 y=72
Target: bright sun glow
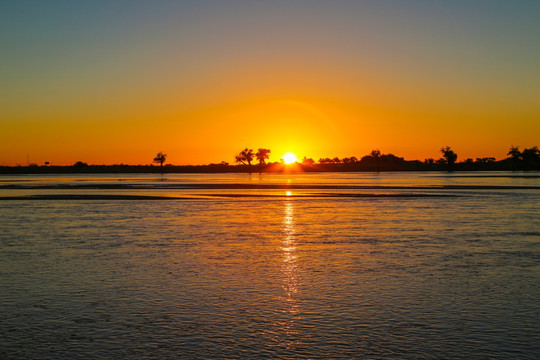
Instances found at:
x=289 y=158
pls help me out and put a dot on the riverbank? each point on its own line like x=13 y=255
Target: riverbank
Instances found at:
x=405 y=165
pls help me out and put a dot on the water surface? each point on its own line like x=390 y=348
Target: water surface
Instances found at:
x=394 y=265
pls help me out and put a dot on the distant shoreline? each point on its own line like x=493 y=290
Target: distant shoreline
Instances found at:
x=415 y=166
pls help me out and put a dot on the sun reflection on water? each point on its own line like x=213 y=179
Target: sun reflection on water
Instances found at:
x=284 y=331
x=289 y=258
x=285 y=327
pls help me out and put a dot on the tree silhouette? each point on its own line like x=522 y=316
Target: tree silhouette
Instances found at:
x=80 y=164
x=306 y=161
x=516 y=155
x=262 y=155
x=245 y=157
x=449 y=156
x=160 y=159
x=531 y=158
x=325 y=161
x=376 y=154
x=514 y=152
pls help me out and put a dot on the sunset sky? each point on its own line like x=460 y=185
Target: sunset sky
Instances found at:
x=117 y=81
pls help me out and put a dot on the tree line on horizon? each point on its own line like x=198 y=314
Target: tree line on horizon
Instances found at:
x=517 y=160
x=528 y=159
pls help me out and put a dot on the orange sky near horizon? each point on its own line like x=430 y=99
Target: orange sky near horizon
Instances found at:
x=111 y=84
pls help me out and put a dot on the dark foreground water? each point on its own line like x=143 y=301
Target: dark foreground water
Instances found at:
x=281 y=266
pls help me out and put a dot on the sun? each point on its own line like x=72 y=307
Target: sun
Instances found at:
x=289 y=158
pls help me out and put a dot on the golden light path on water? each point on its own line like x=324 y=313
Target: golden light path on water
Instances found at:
x=289 y=267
